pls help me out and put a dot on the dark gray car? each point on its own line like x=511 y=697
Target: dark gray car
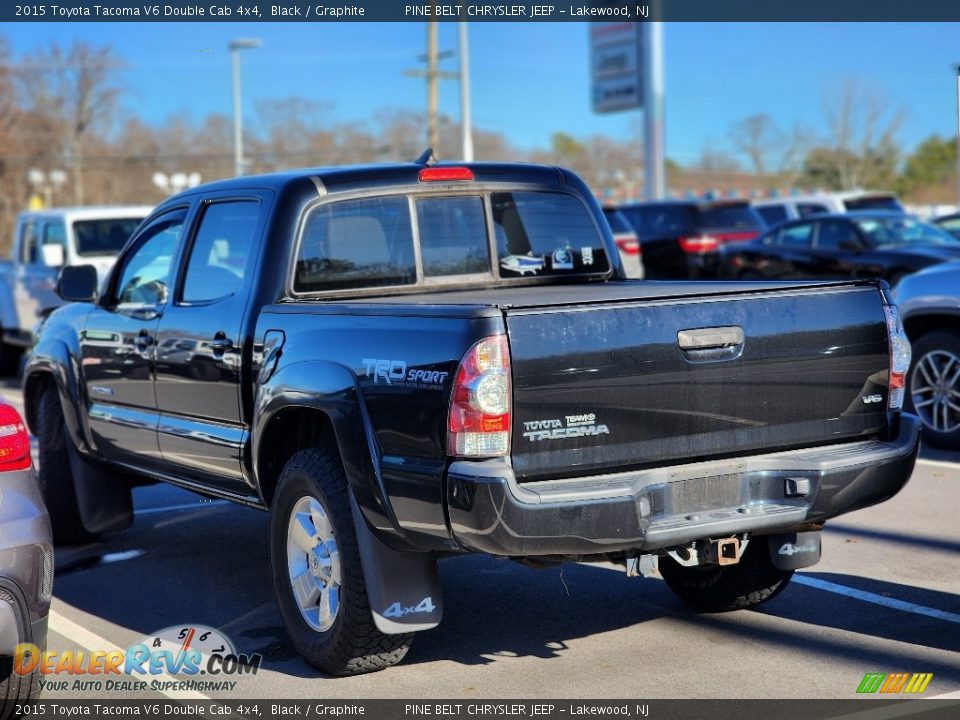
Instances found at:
x=26 y=561
x=930 y=307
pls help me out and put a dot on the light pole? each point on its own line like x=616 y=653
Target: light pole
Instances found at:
x=466 y=131
x=176 y=182
x=957 y=68
x=235 y=47
x=46 y=182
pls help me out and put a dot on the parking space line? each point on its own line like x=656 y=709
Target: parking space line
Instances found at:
x=876 y=599
x=939 y=463
x=185 y=506
x=91 y=641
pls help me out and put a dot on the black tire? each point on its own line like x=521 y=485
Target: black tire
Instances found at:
x=718 y=588
x=16 y=688
x=10 y=356
x=54 y=475
x=352 y=645
x=935 y=347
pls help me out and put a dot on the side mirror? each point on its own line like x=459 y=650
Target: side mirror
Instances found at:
x=52 y=255
x=78 y=283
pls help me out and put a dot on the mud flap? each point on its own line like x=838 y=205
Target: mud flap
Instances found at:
x=403 y=587
x=792 y=551
x=104 y=502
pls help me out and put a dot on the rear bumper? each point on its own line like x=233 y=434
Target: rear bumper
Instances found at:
x=650 y=509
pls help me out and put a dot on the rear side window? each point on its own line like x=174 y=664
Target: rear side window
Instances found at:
x=218 y=259
x=103 y=237
x=539 y=233
x=668 y=220
x=876 y=202
x=729 y=216
x=453 y=236
x=356 y=244
x=772 y=214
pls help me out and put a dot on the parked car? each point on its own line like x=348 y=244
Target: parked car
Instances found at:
x=950 y=223
x=930 y=306
x=777 y=210
x=385 y=376
x=855 y=245
x=45 y=241
x=627 y=242
x=26 y=563
x=680 y=238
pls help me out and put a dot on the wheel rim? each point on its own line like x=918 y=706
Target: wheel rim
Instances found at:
x=935 y=390
x=313 y=564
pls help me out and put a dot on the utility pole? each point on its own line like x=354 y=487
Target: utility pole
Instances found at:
x=466 y=130
x=654 y=176
x=432 y=74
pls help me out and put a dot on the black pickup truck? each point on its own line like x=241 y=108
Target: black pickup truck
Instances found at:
x=411 y=361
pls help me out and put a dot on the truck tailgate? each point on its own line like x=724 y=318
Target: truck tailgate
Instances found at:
x=620 y=384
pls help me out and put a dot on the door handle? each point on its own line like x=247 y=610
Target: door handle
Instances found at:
x=144 y=341
x=220 y=343
x=711 y=344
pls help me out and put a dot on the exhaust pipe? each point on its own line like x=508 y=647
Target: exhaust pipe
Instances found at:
x=723 y=552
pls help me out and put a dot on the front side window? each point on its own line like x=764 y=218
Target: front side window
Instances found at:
x=218 y=259
x=540 y=233
x=145 y=277
x=796 y=235
x=836 y=235
x=356 y=244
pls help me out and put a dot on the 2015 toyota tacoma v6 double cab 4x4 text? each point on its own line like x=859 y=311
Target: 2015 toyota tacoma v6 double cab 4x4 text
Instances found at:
x=409 y=361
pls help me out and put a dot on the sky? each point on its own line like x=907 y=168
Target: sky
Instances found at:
x=529 y=80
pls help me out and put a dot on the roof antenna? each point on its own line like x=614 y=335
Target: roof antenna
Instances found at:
x=426 y=158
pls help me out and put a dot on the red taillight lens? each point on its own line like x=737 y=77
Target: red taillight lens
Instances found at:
x=699 y=244
x=445 y=174
x=900 y=354
x=14 y=440
x=479 y=421
x=629 y=246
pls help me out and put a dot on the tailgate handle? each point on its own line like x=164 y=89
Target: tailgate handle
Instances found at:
x=703 y=338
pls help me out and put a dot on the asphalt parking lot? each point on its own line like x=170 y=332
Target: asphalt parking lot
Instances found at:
x=885 y=598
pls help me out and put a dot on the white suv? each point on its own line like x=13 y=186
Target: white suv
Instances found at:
x=777 y=210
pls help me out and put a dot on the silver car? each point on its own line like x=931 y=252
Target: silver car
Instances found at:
x=930 y=307
x=26 y=564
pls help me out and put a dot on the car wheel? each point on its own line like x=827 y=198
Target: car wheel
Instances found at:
x=54 y=475
x=718 y=588
x=933 y=387
x=317 y=571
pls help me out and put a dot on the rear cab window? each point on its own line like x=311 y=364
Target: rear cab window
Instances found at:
x=874 y=202
x=409 y=240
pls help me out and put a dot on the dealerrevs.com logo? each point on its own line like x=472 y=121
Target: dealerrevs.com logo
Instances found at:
x=179 y=658
x=902 y=682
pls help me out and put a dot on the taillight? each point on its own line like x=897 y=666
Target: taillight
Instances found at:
x=699 y=244
x=479 y=420
x=899 y=357
x=445 y=174
x=628 y=245
x=14 y=440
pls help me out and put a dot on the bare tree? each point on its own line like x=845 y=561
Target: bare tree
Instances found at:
x=862 y=131
x=768 y=147
x=78 y=90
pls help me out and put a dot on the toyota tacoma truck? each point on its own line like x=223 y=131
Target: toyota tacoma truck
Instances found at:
x=410 y=361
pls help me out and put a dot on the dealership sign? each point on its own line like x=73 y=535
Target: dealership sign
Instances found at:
x=616 y=66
